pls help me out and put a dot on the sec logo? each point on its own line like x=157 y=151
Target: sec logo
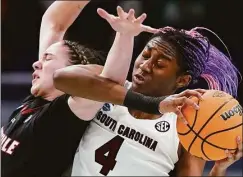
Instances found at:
x=106 y=107
x=162 y=126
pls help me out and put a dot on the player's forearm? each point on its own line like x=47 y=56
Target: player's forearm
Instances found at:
x=216 y=171
x=56 y=20
x=81 y=82
x=119 y=59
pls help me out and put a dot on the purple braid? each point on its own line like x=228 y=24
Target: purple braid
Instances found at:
x=201 y=59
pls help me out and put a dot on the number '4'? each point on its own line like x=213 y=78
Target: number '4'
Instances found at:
x=108 y=162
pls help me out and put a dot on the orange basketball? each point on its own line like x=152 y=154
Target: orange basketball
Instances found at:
x=213 y=128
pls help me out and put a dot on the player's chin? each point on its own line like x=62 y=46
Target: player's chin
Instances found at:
x=140 y=88
x=135 y=87
x=34 y=90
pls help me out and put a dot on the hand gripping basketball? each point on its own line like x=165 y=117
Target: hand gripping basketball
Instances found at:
x=126 y=23
x=231 y=157
x=212 y=129
x=174 y=102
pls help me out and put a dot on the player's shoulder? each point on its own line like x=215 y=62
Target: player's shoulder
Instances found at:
x=40 y=105
x=112 y=110
x=60 y=103
x=108 y=107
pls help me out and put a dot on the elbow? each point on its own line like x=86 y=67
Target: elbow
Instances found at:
x=75 y=80
x=70 y=78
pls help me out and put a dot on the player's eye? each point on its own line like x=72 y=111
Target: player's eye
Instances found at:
x=146 y=54
x=48 y=58
x=160 y=65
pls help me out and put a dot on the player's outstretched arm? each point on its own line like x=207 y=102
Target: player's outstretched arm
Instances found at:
x=220 y=167
x=56 y=20
x=120 y=55
x=83 y=81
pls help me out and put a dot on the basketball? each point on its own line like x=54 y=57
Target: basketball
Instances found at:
x=213 y=128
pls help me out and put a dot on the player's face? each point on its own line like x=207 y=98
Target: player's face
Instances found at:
x=55 y=57
x=155 y=70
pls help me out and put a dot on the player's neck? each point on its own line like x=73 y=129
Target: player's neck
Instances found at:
x=53 y=95
x=143 y=115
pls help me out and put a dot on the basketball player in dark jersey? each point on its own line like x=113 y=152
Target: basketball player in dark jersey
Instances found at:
x=43 y=133
x=148 y=64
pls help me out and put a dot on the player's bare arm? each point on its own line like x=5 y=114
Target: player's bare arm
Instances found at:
x=189 y=165
x=56 y=20
x=83 y=81
x=127 y=27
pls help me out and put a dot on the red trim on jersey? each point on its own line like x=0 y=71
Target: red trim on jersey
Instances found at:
x=27 y=110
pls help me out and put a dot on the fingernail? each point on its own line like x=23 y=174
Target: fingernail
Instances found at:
x=227 y=151
x=197 y=107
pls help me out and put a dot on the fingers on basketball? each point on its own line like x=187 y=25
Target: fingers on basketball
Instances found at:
x=180 y=115
x=239 y=151
x=189 y=93
x=187 y=102
x=202 y=91
x=230 y=156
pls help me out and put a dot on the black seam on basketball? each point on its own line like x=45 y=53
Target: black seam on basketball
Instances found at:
x=204 y=140
x=220 y=131
x=214 y=144
x=197 y=134
x=205 y=154
x=190 y=128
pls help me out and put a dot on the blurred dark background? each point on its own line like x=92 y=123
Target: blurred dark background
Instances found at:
x=21 y=20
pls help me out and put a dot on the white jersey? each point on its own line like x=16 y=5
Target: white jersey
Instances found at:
x=117 y=144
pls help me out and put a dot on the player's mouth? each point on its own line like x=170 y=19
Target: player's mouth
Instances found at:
x=138 y=79
x=34 y=77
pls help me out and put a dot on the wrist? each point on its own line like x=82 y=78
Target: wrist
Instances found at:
x=142 y=103
x=217 y=170
x=219 y=167
x=125 y=35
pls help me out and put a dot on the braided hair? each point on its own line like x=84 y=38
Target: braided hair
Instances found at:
x=200 y=59
x=80 y=54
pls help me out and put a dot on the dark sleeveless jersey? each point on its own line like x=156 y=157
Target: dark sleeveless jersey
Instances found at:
x=40 y=138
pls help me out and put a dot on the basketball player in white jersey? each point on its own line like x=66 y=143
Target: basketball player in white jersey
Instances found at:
x=117 y=142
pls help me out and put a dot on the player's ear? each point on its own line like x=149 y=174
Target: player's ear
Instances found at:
x=183 y=81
